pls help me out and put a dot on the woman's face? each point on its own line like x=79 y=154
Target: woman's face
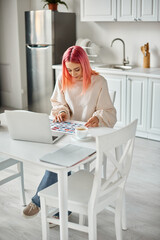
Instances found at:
x=75 y=70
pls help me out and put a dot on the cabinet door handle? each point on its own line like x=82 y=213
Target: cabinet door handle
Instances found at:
x=129 y=79
x=139 y=19
x=115 y=19
x=135 y=19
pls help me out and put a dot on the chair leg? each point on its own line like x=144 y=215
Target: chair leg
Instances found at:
x=45 y=224
x=118 y=153
x=92 y=226
x=124 y=220
x=22 y=183
x=118 y=218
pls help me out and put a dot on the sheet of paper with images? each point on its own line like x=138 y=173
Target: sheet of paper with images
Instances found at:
x=68 y=155
x=64 y=127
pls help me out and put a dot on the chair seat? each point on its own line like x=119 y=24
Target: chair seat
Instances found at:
x=79 y=191
x=76 y=183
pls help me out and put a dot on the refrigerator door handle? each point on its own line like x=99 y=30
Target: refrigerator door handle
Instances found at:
x=30 y=46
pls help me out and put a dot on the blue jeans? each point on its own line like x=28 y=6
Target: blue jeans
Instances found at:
x=48 y=179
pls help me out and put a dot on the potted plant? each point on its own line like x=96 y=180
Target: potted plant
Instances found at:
x=52 y=4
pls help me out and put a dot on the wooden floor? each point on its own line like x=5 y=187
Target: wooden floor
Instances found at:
x=143 y=202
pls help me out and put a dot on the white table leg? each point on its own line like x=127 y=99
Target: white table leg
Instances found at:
x=63 y=204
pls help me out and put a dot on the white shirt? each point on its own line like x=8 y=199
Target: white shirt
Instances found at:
x=94 y=102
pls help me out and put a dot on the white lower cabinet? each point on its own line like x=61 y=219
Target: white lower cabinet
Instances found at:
x=153 y=115
x=137 y=103
x=136 y=97
x=118 y=83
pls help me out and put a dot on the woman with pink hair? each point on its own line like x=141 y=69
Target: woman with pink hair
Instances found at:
x=80 y=94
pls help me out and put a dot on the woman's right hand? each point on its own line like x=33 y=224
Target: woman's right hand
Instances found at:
x=60 y=117
x=92 y=122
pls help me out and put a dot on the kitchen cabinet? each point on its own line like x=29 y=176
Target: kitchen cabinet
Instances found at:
x=147 y=10
x=153 y=115
x=137 y=103
x=118 y=84
x=137 y=96
x=121 y=10
x=101 y=10
x=140 y=10
x=126 y=10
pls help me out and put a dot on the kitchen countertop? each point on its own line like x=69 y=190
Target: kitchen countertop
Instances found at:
x=136 y=71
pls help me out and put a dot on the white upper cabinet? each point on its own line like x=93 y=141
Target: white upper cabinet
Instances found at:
x=147 y=10
x=119 y=10
x=126 y=10
x=137 y=10
x=101 y=10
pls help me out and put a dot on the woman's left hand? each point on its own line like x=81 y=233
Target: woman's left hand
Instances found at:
x=92 y=122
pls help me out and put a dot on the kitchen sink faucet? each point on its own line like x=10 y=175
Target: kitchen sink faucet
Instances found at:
x=124 y=59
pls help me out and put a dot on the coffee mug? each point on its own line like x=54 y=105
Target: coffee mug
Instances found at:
x=81 y=132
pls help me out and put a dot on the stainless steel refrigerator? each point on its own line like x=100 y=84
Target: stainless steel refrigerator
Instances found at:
x=48 y=35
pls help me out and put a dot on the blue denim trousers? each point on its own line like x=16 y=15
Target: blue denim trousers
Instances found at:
x=48 y=179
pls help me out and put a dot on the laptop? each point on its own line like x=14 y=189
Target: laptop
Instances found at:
x=30 y=126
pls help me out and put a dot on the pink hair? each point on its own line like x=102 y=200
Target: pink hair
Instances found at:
x=76 y=54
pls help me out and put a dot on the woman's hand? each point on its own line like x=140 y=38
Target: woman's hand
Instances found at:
x=92 y=122
x=61 y=117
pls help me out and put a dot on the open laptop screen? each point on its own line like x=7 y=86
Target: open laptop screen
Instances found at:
x=30 y=126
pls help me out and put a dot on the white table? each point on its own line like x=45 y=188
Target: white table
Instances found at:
x=31 y=152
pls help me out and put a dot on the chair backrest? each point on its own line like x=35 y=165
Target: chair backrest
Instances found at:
x=112 y=95
x=106 y=145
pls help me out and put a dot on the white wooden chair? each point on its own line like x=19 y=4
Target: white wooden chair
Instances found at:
x=89 y=193
x=8 y=162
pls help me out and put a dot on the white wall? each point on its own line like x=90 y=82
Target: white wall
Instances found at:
x=12 y=53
